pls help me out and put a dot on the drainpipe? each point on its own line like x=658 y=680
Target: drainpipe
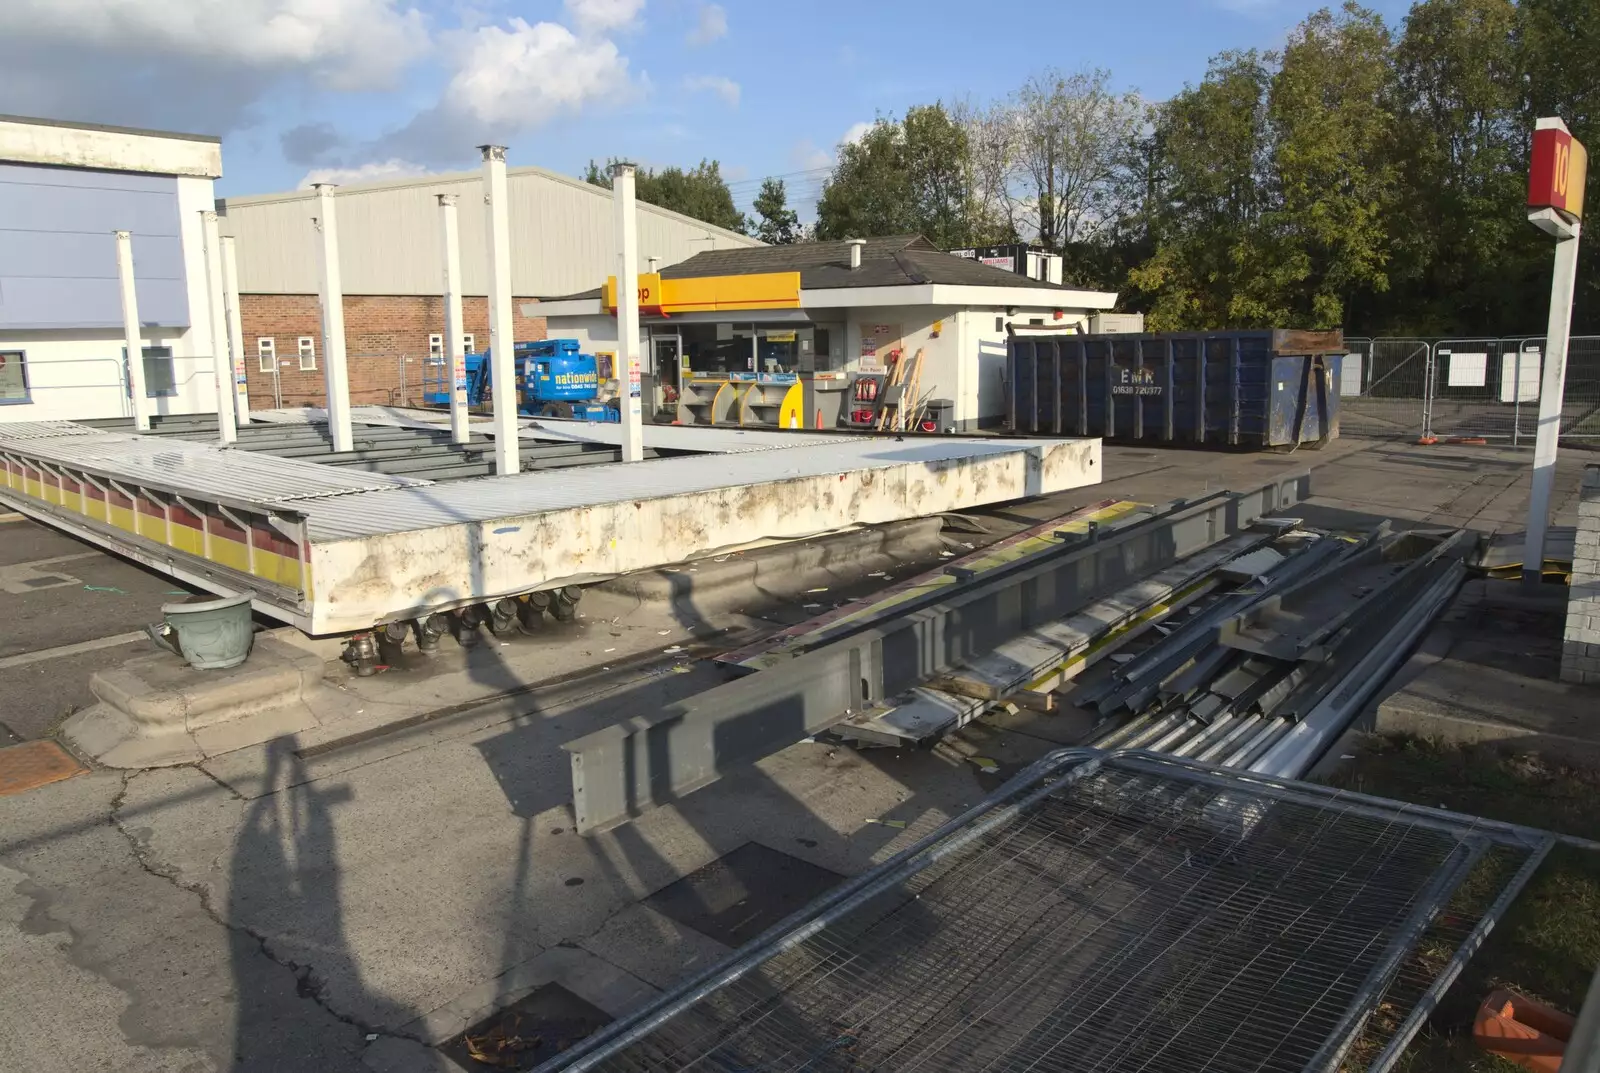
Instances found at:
x=222 y=368
x=502 y=342
x=628 y=312
x=334 y=371
x=455 y=360
x=130 y=331
x=230 y=292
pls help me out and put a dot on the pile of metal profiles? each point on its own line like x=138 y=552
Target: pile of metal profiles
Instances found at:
x=1266 y=676
x=622 y=770
x=1119 y=911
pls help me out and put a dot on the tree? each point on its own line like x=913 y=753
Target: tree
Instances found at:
x=780 y=225
x=700 y=192
x=1211 y=177
x=1331 y=109
x=1072 y=134
x=902 y=177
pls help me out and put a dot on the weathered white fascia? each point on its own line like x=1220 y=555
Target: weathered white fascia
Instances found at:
x=25 y=141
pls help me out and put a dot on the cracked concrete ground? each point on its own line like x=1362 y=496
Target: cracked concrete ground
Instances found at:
x=350 y=909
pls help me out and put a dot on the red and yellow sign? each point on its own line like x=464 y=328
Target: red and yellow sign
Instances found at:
x=710 y=294
x=1558 y=173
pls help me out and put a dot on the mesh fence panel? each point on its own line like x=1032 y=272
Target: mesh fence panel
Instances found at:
x=1125 y=922
x=1384 y=386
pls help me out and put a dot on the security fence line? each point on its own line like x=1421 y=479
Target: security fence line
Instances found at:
x=1466 y=388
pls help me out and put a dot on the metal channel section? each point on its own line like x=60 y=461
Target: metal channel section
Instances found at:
x=1114 y=911
x=622 y=770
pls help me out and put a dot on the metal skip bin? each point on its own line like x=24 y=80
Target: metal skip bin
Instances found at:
x=1253 y=389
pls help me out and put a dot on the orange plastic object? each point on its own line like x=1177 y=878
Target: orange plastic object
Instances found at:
x=1522 y=1030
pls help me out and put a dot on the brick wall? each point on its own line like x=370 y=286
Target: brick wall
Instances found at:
x=1580 y=654
x=382 y=333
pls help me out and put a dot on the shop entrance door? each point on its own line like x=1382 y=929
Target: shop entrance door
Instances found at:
x=665 y=353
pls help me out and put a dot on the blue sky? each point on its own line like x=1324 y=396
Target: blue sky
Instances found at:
x=379 y=88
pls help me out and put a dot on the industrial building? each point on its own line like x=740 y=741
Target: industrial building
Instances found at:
x=727 y=325
x=65 y=190
x=391 y=253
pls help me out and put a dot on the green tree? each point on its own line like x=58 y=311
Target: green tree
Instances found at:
x=1209 y=174
x=902 y=177
x=1331 y=108
x=700 y=192
x=779 y=225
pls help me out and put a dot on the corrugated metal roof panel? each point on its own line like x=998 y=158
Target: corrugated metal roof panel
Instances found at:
x=19 y=431
x=487 y=498
x=672 y=437
x=201 y=468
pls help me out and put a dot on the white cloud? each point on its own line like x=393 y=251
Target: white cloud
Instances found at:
x=207 y=66
x=726 y=88
x=856 y=132
x=600 y=16
x=345 y=44
x=521 y=76
x=713 y=23
x=805 y=156
x=376 y=172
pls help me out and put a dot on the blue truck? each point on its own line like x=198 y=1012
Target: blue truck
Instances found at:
x=554 y=379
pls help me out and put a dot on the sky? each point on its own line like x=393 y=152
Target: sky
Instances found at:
x=346 y=90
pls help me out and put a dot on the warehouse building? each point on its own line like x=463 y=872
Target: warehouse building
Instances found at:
x=727 y=334
x=391 y=258
x=65 y=190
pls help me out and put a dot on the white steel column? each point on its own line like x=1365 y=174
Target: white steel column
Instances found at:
x=222 y=368
x=455 y=359
x=502 y=354
x=130 y=332
x=628 y=312
x=1551 y=393
x=230 y=293
x=334 y=372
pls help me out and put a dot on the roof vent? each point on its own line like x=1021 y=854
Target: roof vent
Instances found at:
x=654 y=263
x=855 y=252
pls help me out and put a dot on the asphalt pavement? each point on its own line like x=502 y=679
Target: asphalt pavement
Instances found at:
x=356 y=908
x=69 y=609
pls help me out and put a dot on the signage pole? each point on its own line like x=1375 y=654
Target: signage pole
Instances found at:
x=1555 y=202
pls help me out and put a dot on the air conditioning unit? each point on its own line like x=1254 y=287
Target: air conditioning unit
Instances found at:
x=1115 y=323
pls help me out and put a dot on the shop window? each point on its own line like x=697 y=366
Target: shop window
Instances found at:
x=308 y=353
x=160 y=382
x=266 y=355
x=14 y=378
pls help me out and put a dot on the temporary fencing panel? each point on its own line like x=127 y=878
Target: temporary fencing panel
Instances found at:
x=1469 y=388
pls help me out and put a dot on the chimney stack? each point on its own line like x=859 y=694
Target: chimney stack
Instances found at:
x=855 y=252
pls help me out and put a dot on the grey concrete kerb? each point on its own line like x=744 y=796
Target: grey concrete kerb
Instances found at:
x=157 y=711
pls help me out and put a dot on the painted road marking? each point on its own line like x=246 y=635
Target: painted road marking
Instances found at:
x=26 y=658
x=20 y=578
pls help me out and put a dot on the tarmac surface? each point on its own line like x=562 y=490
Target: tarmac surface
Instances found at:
x=355 y=907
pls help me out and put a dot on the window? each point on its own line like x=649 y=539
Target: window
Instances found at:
x=467 y=345
x=266 y=355
x=308 y=353
x=436 y=348
x=159 y=380
x=14 y=378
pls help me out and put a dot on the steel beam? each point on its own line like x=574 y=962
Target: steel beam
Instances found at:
x=622 y=770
